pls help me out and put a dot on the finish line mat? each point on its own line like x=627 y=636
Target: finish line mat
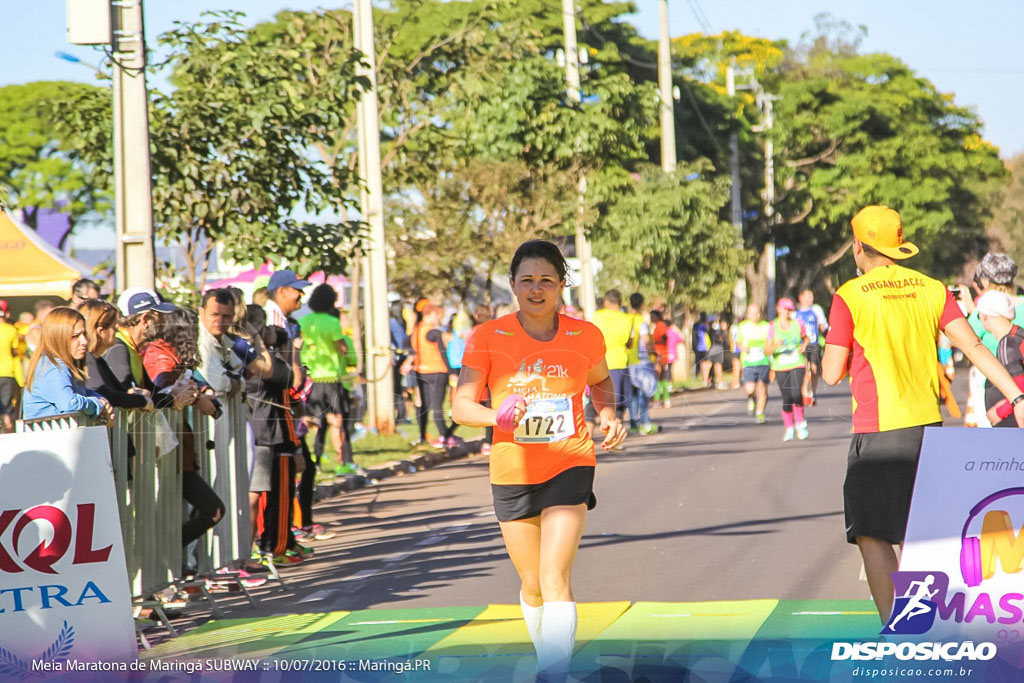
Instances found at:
x=727 y=641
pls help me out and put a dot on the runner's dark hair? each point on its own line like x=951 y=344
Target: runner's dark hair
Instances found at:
x=636 y=300
x=539 y=249
x=323 y=299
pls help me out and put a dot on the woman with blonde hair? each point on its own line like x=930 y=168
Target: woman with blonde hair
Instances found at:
x=55 y=381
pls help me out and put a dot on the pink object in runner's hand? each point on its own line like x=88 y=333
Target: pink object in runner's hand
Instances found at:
x=506 y=412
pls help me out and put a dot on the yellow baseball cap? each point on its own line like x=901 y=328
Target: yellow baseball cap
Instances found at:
x=880 y=227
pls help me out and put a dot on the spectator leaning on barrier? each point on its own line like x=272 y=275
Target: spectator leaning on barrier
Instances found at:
x=219 y=365
x=55 y=381
x=171 y=356
x=11 y=376
x=101 y=330
x=884 y=326
x=140 y=309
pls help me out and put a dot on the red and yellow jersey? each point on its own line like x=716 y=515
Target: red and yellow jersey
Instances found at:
x=551 y=376
x=890 y=320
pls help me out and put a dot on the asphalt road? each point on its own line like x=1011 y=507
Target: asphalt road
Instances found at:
x=714 y=507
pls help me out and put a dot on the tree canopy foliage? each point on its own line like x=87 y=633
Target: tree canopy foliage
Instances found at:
x=254 y=148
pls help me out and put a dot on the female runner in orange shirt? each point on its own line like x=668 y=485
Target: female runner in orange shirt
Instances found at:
x=536 y=364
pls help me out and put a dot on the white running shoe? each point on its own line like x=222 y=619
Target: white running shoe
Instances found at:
x=788 y=436
x=801 y=431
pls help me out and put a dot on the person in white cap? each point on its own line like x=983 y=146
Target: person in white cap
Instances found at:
x=996 y=312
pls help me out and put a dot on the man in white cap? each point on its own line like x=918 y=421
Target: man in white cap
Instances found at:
x=996 y=312
x=140 y=309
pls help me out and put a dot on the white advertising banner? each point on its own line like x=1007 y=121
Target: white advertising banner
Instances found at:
x=962 y=569
x=64 y=594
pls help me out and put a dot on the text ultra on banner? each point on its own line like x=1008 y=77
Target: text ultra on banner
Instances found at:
x=63 y=584
x=962 y=569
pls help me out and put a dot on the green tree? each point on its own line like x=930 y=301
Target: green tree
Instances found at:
x=38 y=169
x=1006 y=230
x=455 y=236
x=231 y=149
x=665 y=236
x=853 y=130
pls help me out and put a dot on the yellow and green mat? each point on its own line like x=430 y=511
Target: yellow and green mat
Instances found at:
x=754 y=639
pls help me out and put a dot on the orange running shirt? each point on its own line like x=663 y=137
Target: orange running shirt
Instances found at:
x=428 y=358
x=890 y=319
x=551 y=377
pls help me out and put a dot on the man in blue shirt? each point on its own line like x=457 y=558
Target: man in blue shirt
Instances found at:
x=812 y=317
x=400 y=350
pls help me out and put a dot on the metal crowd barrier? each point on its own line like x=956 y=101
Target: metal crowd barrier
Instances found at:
x=148 y=488
x=226 y=468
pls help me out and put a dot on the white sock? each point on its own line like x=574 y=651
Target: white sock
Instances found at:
x=532 y=616
x=558 y=636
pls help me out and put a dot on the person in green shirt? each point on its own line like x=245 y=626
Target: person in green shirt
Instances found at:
x=751 y=335
x=328 y=354
x=787 y=340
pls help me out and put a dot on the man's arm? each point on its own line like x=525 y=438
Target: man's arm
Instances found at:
x=963 y=337
x=213 y=369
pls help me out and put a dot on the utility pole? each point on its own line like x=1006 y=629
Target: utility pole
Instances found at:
x=133 y=191
x=379 y=389
x=588 y=297
x=668 y=124
x=739 y=295
x=766 y=102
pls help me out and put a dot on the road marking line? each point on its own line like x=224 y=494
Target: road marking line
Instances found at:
x=397 y=621
x=319 y=595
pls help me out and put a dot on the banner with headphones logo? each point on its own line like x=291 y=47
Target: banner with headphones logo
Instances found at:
x=962 y=569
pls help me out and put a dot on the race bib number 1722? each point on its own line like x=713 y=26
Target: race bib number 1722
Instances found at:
x=546 y=421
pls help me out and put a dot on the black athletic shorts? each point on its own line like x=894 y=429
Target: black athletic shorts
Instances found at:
x=716 y=354
x=8 y=390
x=813 y=354
x=522 y=501
x=880 y=471
x=325 y=398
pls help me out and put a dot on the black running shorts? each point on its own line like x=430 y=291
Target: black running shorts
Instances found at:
x=880 y=471
x=325 y=398
x=522 y=501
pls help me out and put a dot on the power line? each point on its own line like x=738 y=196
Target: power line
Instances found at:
x=699 y=15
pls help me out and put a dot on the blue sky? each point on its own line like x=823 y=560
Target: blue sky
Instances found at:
x=966 y=48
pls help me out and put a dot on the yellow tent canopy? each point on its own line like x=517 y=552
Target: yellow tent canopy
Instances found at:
x=30 y=266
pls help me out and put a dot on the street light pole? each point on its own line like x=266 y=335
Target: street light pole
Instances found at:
x=769 y=194
x=739 y=295
x=379 y=399
x=668 y=123
x=588 y=298
x=133 y=190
